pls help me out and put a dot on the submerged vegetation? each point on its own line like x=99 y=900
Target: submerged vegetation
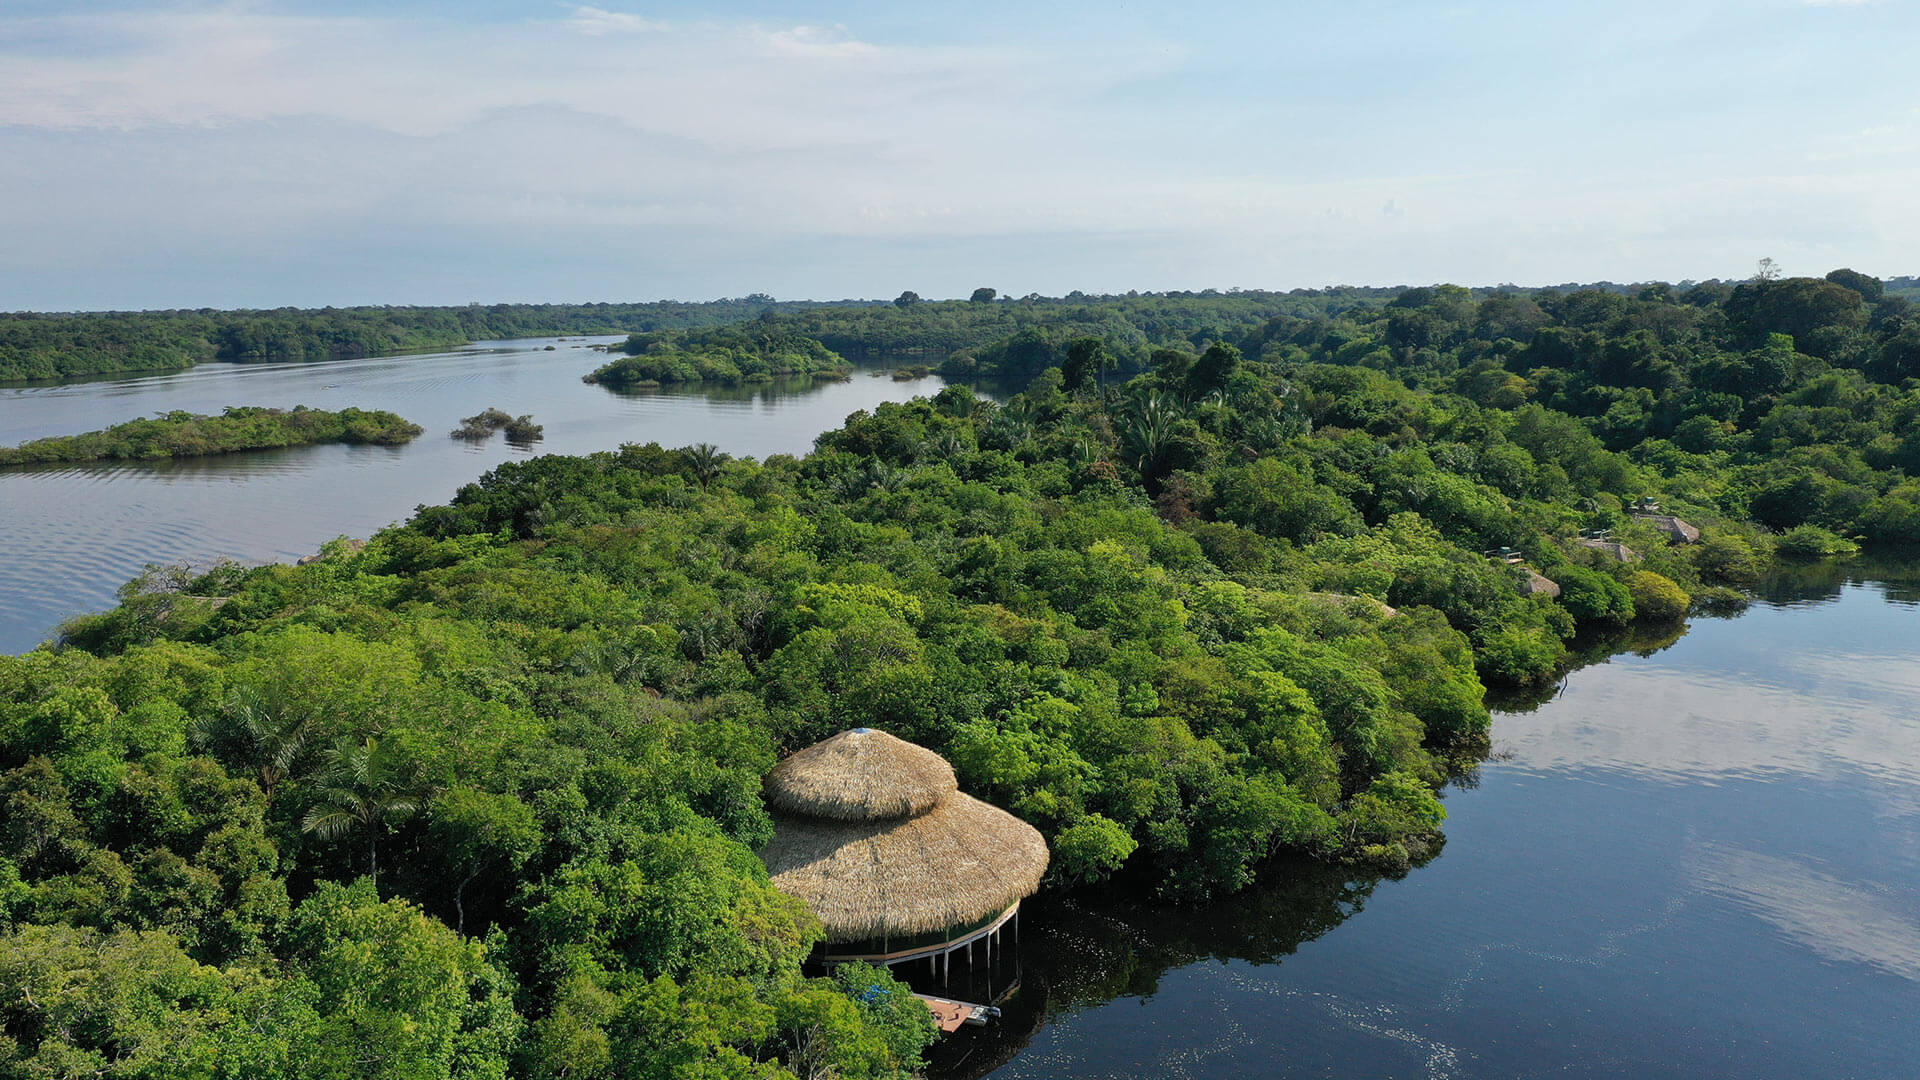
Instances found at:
x=185 y=434
x=480 y=426
x=482 y=797
x=520 y=430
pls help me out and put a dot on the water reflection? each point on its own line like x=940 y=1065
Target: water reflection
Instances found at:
x=1838 y=919
x=1080 y=954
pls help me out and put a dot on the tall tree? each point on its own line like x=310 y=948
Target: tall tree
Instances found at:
x=368 y=791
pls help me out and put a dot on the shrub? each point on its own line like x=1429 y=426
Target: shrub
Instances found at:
x=1814 y=542
x=1657 y=597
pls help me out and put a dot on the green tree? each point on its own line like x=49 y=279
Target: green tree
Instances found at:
x=475 y=833
x=401 y=996
x=368 y=788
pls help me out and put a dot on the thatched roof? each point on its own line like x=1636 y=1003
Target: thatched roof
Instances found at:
x=1540 y=583
x=955 y=865
x=1619 y=551
x=875 y=835
x=1676 y=530
x=860 y=775
x=1350 y=603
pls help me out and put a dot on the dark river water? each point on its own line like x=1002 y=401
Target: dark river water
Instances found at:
x=72 y=534
x=1696 y=858
x=1699 y=860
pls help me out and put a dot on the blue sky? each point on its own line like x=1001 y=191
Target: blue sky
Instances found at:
x=258 y=153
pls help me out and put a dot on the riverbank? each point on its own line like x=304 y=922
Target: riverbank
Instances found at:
x=182 y=434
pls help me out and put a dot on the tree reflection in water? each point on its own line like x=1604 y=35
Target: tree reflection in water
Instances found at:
x=1084 y=950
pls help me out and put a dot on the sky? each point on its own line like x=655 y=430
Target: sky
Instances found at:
x=262 y=154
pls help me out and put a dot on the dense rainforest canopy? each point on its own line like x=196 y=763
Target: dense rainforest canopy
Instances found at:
x=481 y=798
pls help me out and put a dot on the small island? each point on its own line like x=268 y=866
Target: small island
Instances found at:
x=186 y=434
x=730 y=355
x=521 y=430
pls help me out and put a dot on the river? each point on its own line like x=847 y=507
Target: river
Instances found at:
x=70 y=535
x=1694 y=857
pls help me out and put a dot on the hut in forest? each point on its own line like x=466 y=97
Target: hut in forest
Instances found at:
x=1677 y=531
x=1619 y=551
x=875 y=835
x=1540 y=583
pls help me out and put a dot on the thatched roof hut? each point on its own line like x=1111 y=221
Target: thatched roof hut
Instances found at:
x=875 y=835
x=1678 y=532
x=1619 y=551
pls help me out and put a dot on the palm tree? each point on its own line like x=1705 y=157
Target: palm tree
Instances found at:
x=271 y=741
x=705 y=461
x=1146 y=428
x=366 y=792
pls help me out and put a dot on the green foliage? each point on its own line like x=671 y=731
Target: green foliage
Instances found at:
x=1656 y=597
x=1090 y=849
x=183 y=434
x=399 y=994
x=1594 y=597
x=731 y=355
x=1814 y=542
x=1236 y=606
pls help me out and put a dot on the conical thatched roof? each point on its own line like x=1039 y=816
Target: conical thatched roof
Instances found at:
x=868 y=868
x=860 y=775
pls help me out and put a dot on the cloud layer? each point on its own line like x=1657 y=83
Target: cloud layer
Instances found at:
x=262 y=155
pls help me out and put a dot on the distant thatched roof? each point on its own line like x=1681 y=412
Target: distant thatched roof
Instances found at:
x=1350 y=603
x=959 y=863
x=1675 y=529
x=874 y=834
x=1619 y=551
x=860 y=775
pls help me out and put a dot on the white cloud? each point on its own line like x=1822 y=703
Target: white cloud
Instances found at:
x=814 y=41
x=595 y=22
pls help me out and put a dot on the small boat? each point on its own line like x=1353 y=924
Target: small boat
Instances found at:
x=950 y=1014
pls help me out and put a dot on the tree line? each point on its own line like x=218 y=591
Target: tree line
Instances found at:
x=62 y=345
